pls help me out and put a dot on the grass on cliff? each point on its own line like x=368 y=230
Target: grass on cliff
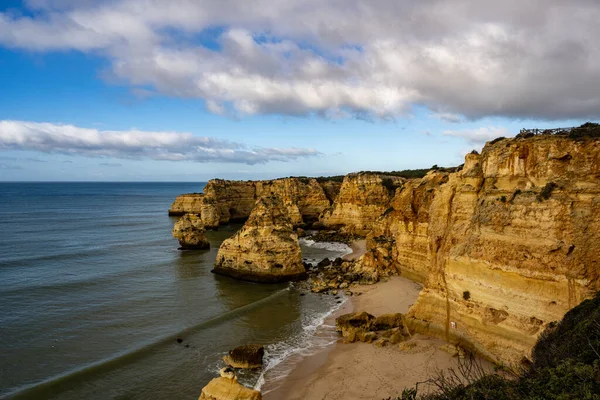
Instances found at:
x=565 y=366
x=405 y=173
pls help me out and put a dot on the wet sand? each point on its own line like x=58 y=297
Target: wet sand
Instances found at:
x=359 y=247
x=365 y=371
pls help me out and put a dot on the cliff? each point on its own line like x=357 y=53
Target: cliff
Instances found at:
x=266 y=249
x=186 y=203
x=189 y=230
x=505 y=246
x=362 y=199
x=224 y=201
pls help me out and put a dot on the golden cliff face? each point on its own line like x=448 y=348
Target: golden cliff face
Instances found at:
x=224 y=201
x=186 y=203
x=399 y=239
x=190 y=233
x=505 y=246
x=362 y=199
x=266 y=249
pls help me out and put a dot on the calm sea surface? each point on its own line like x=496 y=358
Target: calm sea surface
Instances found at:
x=94 y=295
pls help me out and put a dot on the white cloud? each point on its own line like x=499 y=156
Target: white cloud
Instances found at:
x=479 y=136
x=339 y=57
x=135 y=144
x=448 y=117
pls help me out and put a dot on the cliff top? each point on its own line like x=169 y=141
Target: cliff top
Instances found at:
x=589 y=130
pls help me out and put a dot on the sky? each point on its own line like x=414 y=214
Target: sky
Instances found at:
x=188 y=90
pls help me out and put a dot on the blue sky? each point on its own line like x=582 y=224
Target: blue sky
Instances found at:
x=97 y=90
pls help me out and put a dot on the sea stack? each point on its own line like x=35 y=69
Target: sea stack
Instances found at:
x=265 y=249
x=189 y=230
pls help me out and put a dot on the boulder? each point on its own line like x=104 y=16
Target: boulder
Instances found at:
x=366 y=337
x=265 y=249
x=348 y=323
x=388 y=321
x=228 y=389
x=189 y=230
x=248 y=356
x=324 y=262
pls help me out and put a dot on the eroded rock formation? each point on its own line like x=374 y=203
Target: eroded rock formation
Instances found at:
x=189 y=230
x=224 y=201
x=247 y=356
x=505 y=246
x=227 y=387
x=265 y=249
x=363 y=198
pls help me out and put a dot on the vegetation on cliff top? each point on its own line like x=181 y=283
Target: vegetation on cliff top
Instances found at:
x=566 y=365
x=405 y=173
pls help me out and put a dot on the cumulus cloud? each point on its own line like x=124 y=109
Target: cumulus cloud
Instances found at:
x=337 y=58
x=135 y=144
x=479 y=136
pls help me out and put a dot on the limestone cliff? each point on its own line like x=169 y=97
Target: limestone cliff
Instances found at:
x=505 y=246
x=186 y=203
x=362 y=199
x=189 y=230
x=399 y=239
x=266 y=249
x=224 y=201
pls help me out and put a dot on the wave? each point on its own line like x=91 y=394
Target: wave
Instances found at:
x=37 y=390
x=331 y=246
x=331 y=250
x=305 y=343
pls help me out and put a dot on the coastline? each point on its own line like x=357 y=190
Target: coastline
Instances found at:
x=359 y=247
x=362 y=370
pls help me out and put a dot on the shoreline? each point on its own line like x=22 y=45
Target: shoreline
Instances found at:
x=362 y=370
x=359 y=248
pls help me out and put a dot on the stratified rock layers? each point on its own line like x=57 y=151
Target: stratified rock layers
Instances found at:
x=504 y=246
x=363 y=198
x=502 y=255
x=224 y=201
x=265 y=249
x=189 y=230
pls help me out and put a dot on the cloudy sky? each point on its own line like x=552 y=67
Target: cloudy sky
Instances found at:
x=192 y=89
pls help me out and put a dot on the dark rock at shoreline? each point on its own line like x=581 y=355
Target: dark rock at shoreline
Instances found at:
x=324 y=262
x=353 y=321
x=334 y=236
x=248 y=356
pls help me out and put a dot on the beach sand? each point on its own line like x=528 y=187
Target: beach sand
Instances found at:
x=359 y=247
x=365 y=371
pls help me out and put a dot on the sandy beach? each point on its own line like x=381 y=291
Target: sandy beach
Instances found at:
x=359 y=247
x=365 y=371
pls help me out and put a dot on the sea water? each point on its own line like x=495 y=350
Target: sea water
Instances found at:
x=96 y=301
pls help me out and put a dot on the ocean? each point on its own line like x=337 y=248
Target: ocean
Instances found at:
x=95 y=298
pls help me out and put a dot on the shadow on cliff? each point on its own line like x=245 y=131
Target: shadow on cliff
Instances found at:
x=565 y=365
